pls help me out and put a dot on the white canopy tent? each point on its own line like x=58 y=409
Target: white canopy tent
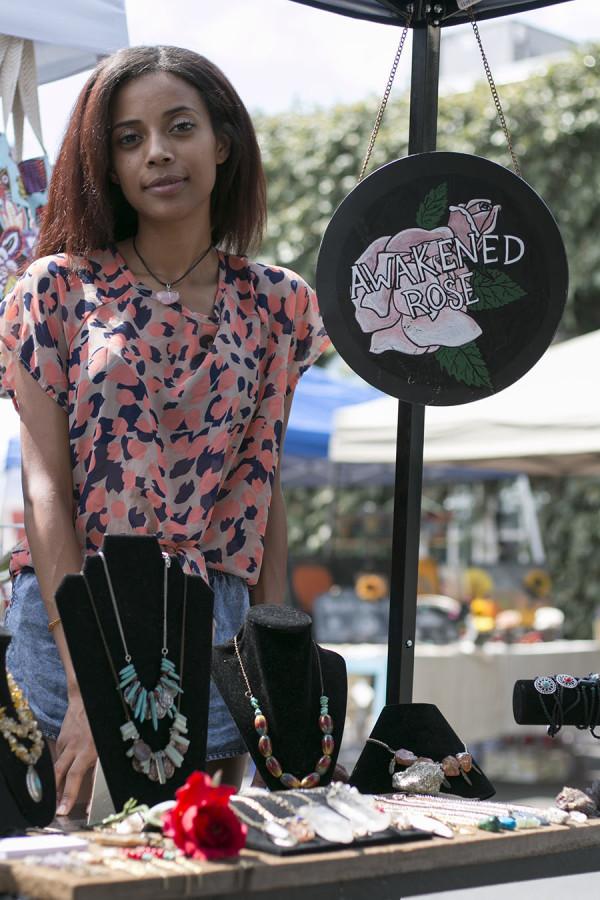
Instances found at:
x=547 y=423
x=69 y=36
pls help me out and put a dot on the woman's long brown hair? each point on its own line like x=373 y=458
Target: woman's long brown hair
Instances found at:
x=86 y=211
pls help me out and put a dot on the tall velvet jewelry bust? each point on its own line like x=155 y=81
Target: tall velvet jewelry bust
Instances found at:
x=281 y=663
x=18 y=809
x=137 y=568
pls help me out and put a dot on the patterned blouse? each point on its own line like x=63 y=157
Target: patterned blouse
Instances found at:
x=175 y=418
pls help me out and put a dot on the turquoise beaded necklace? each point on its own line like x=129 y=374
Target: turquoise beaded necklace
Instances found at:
x=157 y=702
x=265 y=746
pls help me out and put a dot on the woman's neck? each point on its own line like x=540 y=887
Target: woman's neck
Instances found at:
x=170 y=249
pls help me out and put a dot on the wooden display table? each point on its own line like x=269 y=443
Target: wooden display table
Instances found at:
x=387 y=872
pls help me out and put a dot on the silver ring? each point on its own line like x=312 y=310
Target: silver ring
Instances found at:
x=545 y=685
x=567 y=681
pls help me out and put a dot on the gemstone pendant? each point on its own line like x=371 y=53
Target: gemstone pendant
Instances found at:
x=34 y=784
x=167 y=297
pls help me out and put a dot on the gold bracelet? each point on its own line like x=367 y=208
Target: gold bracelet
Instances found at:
x=52 y=625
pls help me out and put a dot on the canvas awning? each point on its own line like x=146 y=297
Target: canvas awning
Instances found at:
x=548 y=423
x=69 y=36
x=394 y=12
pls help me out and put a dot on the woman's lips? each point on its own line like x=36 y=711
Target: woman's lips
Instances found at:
x=166 y=189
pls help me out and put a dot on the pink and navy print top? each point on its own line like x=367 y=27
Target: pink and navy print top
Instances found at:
x=175 y=418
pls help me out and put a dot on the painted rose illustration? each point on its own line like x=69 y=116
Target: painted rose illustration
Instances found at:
x=421 y=284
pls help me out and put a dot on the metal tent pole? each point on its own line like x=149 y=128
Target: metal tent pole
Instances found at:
x=411 y=417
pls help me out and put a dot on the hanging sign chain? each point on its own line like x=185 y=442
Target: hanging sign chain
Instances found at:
x=495 y=96
x=385 y=98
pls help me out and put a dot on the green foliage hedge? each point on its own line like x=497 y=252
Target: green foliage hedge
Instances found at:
x=312 y=160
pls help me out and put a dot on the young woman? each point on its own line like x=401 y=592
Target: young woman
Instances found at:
x=153 y=366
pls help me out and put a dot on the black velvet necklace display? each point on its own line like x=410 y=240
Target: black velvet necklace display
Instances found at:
x=278 y=653
x=18 y=810
x=137 y=568
x=421 y=728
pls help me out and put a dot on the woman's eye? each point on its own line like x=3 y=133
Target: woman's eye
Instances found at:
x=126 y=140
x=183 y=125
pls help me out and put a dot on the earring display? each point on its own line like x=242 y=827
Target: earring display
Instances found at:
x=23 y=728
x=157 y=765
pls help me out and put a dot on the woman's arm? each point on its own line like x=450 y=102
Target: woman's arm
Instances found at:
x=271 y=584
x=48 y=505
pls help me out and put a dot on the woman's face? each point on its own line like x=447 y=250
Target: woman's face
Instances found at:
x=164 y=150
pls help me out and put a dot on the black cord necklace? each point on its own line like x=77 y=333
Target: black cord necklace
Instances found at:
x=167 y=297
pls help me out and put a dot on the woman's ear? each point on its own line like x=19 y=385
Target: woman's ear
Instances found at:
x=223 y=148
x=113 y=176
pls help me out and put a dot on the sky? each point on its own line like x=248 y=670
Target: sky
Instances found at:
x=282 y=55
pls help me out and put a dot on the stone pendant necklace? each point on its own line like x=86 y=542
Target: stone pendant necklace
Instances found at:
x=24 y=727
x=264 y=741
x=169 y=296
x=157 y=765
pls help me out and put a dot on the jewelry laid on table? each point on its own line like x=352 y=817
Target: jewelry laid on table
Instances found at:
x=15 y=731
x=275 y=827
x=264 y=741
x=410 y=819
x=510 y=815
x=325 y=822
x=157 y=702
x=169 y=296
x=300 y=827
x=157 y=765
x=452 y=765
x=354 y=806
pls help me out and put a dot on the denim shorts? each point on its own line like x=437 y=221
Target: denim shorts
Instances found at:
x=35 y=664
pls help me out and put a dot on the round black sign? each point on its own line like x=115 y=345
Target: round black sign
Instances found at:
x=442 y=278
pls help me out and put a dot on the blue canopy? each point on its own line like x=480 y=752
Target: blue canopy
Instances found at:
x=318 y=395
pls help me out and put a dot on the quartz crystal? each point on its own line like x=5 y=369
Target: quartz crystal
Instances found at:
x=327 y=823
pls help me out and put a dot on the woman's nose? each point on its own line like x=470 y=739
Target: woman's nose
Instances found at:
x=158 y=150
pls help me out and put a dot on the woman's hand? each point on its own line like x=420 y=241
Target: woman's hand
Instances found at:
x=75 y=755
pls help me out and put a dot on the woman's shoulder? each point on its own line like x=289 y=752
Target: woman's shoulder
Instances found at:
x=71 y=270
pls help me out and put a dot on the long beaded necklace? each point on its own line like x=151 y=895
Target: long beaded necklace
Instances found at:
x=24 y=727
x=167 y=297
x=157 y=765
x=264 y=741
x=158 y=701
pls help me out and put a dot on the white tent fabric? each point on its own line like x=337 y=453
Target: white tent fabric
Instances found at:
x=69 y=36
x=547 y=423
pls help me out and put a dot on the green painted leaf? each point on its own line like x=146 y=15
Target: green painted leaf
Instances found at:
x=466 y=364
x=494 y=289
x=434 y=207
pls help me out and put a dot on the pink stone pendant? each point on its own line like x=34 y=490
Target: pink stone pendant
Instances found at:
x=167 y=297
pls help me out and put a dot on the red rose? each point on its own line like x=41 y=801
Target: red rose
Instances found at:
x=201 y=822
